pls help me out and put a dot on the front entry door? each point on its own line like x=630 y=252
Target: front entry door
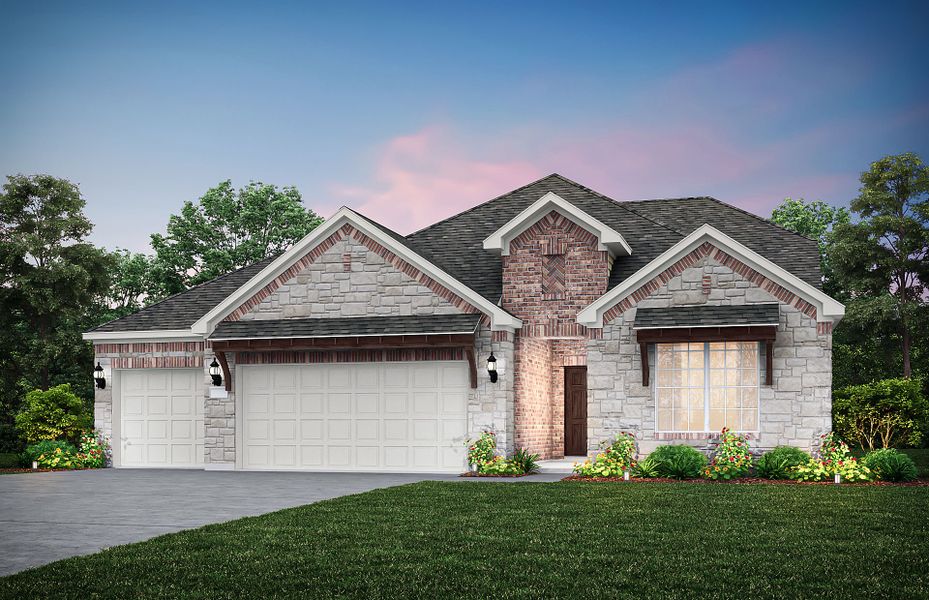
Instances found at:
x=575 y=411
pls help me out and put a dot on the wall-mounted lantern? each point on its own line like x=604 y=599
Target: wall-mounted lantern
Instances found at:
x=492 y=367
x=216 y=372
x=99 y=377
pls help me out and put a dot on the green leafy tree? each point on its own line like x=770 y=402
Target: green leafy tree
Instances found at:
x=50 y=278
x=53 y=414
x=887 y=250
x=226 y=230
x=134 y=285
x=815 y=220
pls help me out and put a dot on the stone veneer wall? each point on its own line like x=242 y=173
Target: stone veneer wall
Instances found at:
x=349 y=280
x=794 y=410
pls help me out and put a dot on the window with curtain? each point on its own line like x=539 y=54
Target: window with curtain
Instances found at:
x=705 y=386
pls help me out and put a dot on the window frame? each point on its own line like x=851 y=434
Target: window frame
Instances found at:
x=759 y=368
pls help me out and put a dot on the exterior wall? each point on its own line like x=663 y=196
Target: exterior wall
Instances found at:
x=550 y=337
x=491 y=405
x=349 y=280
x=793 y=411
x=219 y=421
x=145 y=355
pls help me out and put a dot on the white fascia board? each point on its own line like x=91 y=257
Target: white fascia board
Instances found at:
x=827 y=308
x=500 y=319
x=159 y=335
x=608 y=238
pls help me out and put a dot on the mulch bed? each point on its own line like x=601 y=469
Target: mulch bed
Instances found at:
x=746 y=480
x=27 y=470
x=475 y=474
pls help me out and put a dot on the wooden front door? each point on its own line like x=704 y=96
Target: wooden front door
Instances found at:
x=575 y=411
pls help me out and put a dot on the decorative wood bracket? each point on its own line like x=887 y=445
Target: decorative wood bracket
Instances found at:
x=227 y=378
x=643 y=350
x=472 y=365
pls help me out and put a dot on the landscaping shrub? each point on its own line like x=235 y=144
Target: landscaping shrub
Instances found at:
x=49 y=447
x=890 y=465
x=52 y=415
x=678 y=462
x=731 y=458
x=834 y=458
x=59 y=458
x=482 y=449
x=525 y=462
x=616 y=457
x=499 y=466
x=647 y=468
x=10 y=460
x=780 y=462
x=885 y=413
x=95 y=450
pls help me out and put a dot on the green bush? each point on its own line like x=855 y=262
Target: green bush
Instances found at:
x=732 y=457
x=890 y=465
x=616 y=457
x=647 y=468
x=54 y=414
x=678 y=462
x=10 y=460
x=34 y=451
x=780 y=462
x=885 y=413
x=834 y=459
x=499 y=466
x=482 y=449
x=525 y=462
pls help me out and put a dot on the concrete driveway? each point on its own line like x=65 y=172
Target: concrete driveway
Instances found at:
x=49 y=516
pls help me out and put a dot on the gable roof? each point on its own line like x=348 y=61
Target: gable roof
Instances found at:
x=454 y=249
x=650 y=227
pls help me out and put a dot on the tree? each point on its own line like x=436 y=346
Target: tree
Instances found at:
x=53 y=414
x=226 y=230
x=133 y=286
x=815 y=220
x=886 y=251
x=49 y=280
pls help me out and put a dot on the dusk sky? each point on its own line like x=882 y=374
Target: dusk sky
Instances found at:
x=410 y=113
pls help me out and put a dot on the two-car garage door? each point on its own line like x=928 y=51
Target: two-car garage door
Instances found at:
x=361 y=416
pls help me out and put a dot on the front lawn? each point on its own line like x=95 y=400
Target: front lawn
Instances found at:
x=528 y=540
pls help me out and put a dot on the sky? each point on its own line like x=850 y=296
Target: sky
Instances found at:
x=410 y=112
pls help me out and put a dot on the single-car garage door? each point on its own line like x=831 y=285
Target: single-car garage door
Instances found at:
x=362 y=416
x=161 y=417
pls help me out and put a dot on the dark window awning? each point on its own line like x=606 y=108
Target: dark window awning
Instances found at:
x=347 y=333
x=748 y=323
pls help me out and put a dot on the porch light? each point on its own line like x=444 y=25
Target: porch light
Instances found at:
x=492 y=367
x=99 y=377
x=216 y=373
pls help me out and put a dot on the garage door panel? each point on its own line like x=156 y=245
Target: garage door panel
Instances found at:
x=398 y=416
x=161 y=417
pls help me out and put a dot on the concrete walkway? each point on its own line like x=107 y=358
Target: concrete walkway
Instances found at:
x=45 y=517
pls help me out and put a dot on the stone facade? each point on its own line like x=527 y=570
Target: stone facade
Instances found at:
x=794 y=410
x=350 y=280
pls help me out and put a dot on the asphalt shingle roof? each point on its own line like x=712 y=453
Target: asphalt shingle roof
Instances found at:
x=346 y=326
x=697 y=316
x=456 y=245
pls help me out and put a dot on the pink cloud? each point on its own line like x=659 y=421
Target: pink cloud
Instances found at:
x=429 y=175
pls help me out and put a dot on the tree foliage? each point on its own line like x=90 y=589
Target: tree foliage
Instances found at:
x=887 y=250
x=228 y=229
x=52 y=414
x=51 y=277
x=884 y=413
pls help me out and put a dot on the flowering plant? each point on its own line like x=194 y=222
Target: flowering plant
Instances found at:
x=58 y=459
x=95 y=450
x=499 y=466
x=482 y=449
x=834 y=459
x=617 y=456
x=732 y=457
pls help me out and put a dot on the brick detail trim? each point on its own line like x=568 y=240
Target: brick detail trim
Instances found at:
x=723 y=258
x=553 y=329
x=349 y=356
x=551 y=244
x=501 y=336
x=157 y=362
x=372 y=245
x=697 y=435
x=824 y=328
x=147 y=347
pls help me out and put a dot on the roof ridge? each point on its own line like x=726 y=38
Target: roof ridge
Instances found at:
x=758 y=217
x=476 y=206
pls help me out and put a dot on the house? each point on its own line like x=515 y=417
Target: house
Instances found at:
x=362 y=349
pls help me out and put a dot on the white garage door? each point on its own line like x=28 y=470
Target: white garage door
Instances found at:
x=364 y=416
x=161 y=417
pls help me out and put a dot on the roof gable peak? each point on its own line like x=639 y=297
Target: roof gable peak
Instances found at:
x=608 y=238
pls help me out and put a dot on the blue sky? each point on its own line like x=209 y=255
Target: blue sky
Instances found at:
x=412 y=112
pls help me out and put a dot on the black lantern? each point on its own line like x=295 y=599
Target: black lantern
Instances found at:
x=216 y=373
x=99 y=377
x=492 y=367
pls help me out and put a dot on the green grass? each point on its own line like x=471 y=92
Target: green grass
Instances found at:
x=527 y=540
